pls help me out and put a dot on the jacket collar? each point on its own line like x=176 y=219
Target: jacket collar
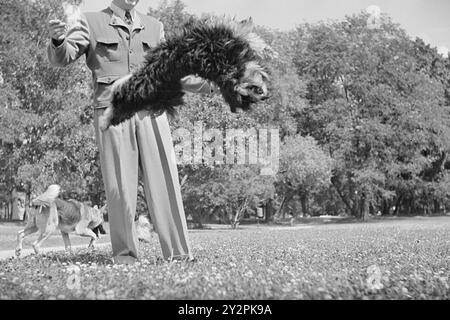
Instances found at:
x=117 y=15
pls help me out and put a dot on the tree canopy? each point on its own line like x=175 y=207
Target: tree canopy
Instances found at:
x=362 y=115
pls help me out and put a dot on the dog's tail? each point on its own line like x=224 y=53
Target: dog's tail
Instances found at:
x=48 y=197
x=108 y=114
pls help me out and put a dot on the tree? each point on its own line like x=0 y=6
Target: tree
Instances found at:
x=46 y=134
x=172 y=14
x=227 y=192
x=214 y=185
x=373 y=108
x=305 y=168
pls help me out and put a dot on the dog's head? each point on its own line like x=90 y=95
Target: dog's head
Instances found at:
x=249 y=86
x=248 y=82
x=99 y=230
x=252 y=86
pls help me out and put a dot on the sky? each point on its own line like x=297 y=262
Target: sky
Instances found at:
x=427 y=19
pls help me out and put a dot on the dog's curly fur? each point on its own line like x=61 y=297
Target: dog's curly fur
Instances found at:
x=221 y=50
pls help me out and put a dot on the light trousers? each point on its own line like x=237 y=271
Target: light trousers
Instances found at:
x=146 y=142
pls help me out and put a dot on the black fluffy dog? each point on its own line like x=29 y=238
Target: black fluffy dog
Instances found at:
x=221 y=50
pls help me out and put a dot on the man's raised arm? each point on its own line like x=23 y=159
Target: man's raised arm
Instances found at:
x=66 y=48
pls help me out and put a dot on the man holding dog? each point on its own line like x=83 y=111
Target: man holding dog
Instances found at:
x=114 y=42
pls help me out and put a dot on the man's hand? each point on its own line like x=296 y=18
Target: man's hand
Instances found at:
x=57 y=30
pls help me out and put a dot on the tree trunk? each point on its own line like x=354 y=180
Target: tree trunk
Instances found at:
x=437 y=206
x=9 y=217
x=27 y=203
x=277 y=214
x=408 y=206
x=14 y=205
x=6 y=216
x=304 y=203
x=356 y=208
x=237 y=219
x=239 y=214
x=197 y=219
x=346 y=202
x=285 y=199
x=269 y=209
x=397 y=205
x=385 y=210
x=364 y=208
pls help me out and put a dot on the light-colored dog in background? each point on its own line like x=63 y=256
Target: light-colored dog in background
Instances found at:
x=144 y=229
x=49 y=213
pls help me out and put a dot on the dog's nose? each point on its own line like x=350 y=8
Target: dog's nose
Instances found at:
x=259 y=91
x=265 y=97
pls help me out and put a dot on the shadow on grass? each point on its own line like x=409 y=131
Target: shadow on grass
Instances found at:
x=98 y=257
x=79 y=257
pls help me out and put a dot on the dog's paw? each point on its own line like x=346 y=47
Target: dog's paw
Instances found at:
x=18 y=252
x=92 y=243
x=104 y=121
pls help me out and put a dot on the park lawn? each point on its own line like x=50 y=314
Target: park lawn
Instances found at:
x=334 y=261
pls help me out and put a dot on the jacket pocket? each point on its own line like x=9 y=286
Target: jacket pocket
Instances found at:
x=108 y=48
x=103 y=93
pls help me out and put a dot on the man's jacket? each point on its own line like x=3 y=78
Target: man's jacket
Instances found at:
x=112 y=50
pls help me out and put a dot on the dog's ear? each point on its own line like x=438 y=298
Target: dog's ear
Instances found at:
x=189 y=24
x=247 y=22
x=104 y=210
x=265 y=75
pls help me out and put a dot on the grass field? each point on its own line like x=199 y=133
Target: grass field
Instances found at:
x=396 y=259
